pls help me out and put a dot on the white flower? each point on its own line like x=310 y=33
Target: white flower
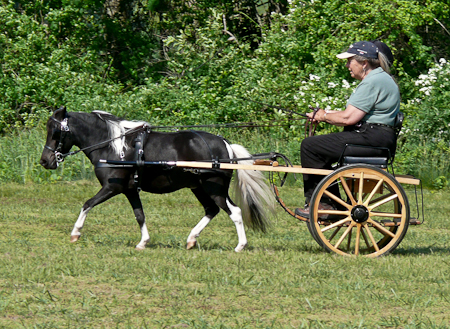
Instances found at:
x=426 y=90
x=442 y=61
x=332 y=85
x=314 y=77
x=345 y=84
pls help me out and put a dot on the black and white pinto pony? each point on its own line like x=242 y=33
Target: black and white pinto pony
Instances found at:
x=103 y=136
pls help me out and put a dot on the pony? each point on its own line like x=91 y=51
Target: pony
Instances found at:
x=100 y=135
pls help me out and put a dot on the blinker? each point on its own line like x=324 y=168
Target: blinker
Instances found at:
x=56 y=134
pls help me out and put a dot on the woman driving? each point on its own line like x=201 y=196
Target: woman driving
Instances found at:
x=368 y=118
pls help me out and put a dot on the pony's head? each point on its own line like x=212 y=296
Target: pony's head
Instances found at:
x=58 y=141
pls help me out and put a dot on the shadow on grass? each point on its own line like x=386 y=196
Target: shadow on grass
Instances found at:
x=310 y=248
x=216 y=246
x=426 y=250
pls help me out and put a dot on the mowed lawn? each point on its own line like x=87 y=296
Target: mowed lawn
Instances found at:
x=282 y=280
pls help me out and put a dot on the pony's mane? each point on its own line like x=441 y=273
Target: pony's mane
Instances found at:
x=116 y=128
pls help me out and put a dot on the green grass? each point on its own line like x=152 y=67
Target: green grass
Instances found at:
x=282 y=280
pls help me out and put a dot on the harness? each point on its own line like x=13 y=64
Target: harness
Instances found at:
x=139 y=143
x=59 y=134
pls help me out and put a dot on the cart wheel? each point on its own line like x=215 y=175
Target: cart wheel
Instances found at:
x=373 y=215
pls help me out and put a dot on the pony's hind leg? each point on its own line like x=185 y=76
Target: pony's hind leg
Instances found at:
x=192 y=238
x=135 y=201
x=235 y=214
x=211 y=210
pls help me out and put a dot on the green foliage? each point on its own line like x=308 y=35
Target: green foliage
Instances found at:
x=314 y=32
x=194 y=62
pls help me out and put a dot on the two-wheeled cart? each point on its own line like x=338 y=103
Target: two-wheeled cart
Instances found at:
x=373 y=212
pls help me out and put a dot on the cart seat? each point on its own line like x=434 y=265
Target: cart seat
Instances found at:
x=377 y=156
x=381 y=162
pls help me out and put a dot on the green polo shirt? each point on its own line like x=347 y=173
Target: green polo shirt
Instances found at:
x=377 y=95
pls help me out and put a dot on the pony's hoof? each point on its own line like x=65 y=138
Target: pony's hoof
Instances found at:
x=139 y=248
x=74 y=238
x=191 y=245
x=239 y=248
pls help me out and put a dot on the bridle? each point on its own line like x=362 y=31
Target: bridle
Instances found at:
x=60 y=134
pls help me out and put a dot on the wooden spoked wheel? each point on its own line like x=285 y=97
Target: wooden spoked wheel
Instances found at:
x=372 y=214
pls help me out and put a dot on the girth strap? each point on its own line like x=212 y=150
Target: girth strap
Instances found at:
x=139 y=143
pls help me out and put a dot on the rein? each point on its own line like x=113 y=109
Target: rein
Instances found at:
x=275 y=107
x=64 y=130
x=310 y=127
x=223 y=125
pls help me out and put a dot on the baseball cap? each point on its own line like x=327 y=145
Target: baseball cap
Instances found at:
x=384 y=49
x=361 y=48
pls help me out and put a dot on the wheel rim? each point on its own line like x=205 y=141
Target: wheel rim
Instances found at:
x=374 y=214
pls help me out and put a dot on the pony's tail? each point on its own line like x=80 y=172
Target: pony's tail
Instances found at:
x=252 y=194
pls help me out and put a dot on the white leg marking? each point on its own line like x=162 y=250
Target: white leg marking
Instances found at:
x=145 y=238
x=192 y=238
x=79 y=225
x=236 y=217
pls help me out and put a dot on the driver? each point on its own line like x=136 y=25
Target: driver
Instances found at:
x=368 y=118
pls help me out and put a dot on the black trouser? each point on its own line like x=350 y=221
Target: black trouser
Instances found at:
x=322 y=151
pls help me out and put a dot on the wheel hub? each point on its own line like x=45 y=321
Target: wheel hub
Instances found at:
x=360 y=214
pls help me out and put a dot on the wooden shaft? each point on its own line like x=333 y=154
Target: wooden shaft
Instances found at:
x=403 y=179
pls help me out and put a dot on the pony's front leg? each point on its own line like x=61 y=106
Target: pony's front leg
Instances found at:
x=236 y=217
x=103 y=195
x=136 y=203
x=76 y=232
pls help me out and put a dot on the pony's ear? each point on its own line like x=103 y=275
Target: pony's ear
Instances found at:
x=60 y=113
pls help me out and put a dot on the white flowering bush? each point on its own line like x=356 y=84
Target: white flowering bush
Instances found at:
x=429 y=111
x=425 y=139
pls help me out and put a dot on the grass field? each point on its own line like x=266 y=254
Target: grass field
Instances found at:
x=282 y=280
